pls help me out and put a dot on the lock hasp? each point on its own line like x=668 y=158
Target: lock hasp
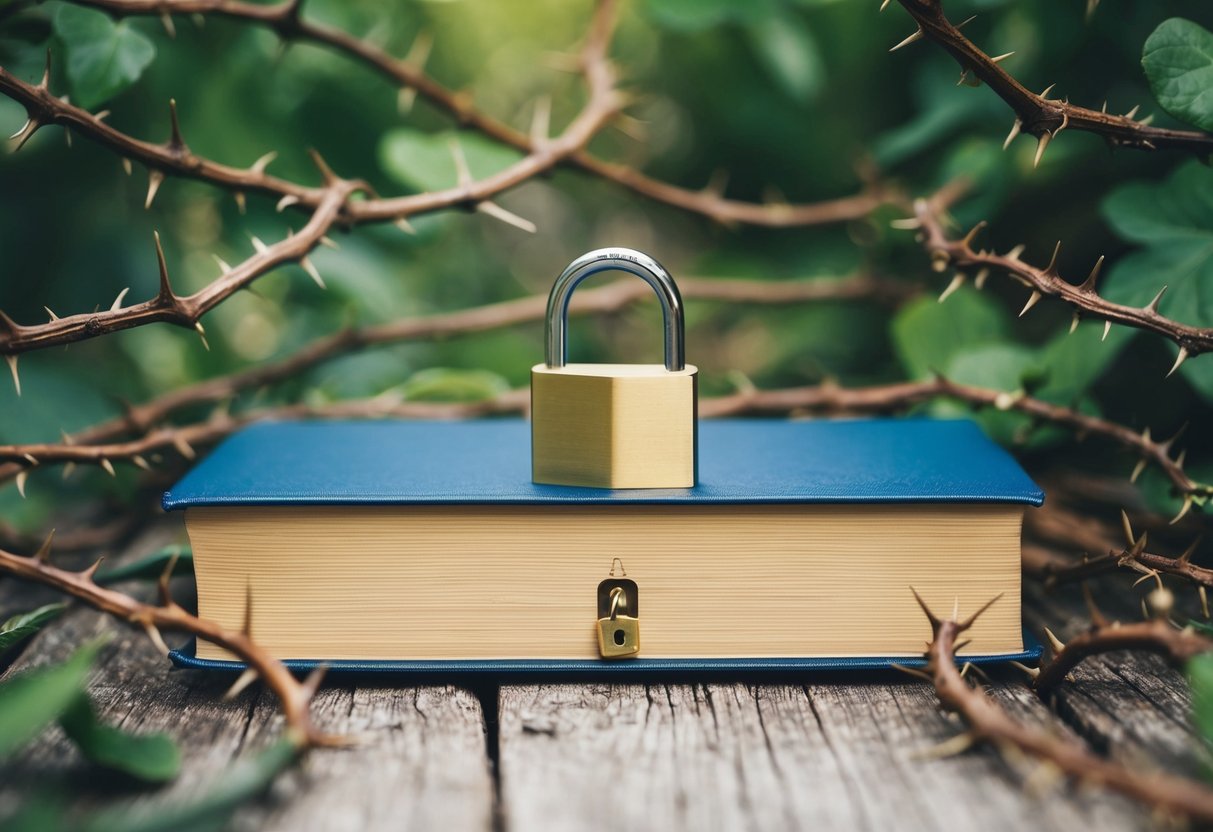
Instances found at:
x=614 y=425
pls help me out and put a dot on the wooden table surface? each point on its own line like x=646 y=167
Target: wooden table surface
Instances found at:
x=830 y=752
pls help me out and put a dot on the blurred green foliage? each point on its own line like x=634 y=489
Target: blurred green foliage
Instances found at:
x=790 y=95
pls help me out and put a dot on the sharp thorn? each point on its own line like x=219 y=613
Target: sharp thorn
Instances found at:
x=328 y=243
x=258 y=244
x=405 y=226
x=154 y=178
x=980 y=280
x=462 y=172
x=884 y=4
x=1044 y=95
x=1088 y=285
x=50 y=312
x=1107 y=327
x=1179 y=359
x=1137 y=469
x=1152 y=306
x=325 y=171
x=1186 y=557
x=260 y=165
x=1052 y=267
x=202 y=334
x=242 y=682
x=310 y=268
x=911 y=39
x=1032 y=672
x=241 y=202
x=127 y=166
x=935 y=622
x=1183 y=511
x=22 y=476
x=1041 y=144
x=495 y=211
x=117 y=304
x=1033 y=299
x=12 y=368
x=43 y=555
x=1000 y=58
x=224 y=267
x=1014 y=253
x=968 y=622
x=957 y=281
x=141 y=462
x=1074 y=320
x=405 y=99
x=286 y=202
x=247 y=627
x=1204 y=601
x=166 y=20
x=153 y=633
x=312 y=683
x=1057 y=644
x=183 y=447
x=1015 y=128
x=175 y=139
x=88 y=572
x=68 y=470
x=166 y=289
x=108 y=467
x=1133 y=112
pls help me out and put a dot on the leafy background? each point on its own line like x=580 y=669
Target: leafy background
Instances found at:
x=790 y=96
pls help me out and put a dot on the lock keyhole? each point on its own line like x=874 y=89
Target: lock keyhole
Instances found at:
x=619 y=637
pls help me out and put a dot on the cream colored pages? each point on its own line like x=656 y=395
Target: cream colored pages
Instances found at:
x=518 y=582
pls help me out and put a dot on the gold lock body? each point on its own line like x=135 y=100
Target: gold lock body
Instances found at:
x=618 y=636
x=614 y=425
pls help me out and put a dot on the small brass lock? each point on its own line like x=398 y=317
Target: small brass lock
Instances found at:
x=614 y=425
x=618 y=618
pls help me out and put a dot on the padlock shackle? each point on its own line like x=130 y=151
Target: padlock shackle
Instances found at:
x=556 y=342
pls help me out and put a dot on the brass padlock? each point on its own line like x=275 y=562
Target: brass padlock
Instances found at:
x=618 y=618
x=614 y=425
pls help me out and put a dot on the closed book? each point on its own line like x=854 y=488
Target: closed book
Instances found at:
x=425 y=545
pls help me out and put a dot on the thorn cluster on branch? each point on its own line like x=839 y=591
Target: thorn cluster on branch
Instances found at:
x=1056 y=757
x=959 y=254
x=294 y=696
x=1039 y=115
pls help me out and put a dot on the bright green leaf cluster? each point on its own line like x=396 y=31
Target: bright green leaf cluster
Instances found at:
x=102 y=56
x=1178 y=59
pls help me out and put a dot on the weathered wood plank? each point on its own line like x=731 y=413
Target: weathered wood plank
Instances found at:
x=422 y=763
x=1131 y=706
x=838 y=755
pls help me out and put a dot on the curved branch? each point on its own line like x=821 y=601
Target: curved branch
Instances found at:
x=294 y=696
x=1046 y=282
x=1155 y=636
x=1038 y=115
x=284 y=18
x=988 y=722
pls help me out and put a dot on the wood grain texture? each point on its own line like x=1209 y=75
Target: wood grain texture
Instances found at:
x=820 y=756
x=423 y=763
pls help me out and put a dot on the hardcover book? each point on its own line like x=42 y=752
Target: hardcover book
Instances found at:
x=426 y=545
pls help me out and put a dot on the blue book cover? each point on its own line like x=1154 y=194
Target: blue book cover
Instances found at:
x=487 y=462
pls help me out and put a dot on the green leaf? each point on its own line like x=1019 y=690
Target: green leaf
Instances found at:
x=241 y=781
x=999 y=367
x=1200 y=679
x=102 y=57
x=1073 y=361
x=153 y=758
x=151 y=567
x=1173 y=220
x=451 y=385
x=31 y=701
x=785 y=47
x=698 y=15
x=928 y=335
x=1178 y=59
x=426 y=161
x=25 y=624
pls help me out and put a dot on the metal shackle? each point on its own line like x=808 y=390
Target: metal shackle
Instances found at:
x=615 y=259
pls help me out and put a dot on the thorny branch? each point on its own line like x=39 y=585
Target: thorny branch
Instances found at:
x=331 y=201
x=294 y=696
x=988 y=722
x=1042 y=282
x=1156 y=636
x=822 y=398
x=1039 y=115
x=409 y=74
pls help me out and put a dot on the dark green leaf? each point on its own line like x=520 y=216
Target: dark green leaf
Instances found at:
x=1174 y=222
x=240 y=782
x=928 y=335
x=1200 y=678
x=785 y=47
x=1178 y=59
x=25 y=624
x=426 y=161
x=150 y=757
x=698 y=15
x=31 y=701
x=151 y=567
x=102 y=57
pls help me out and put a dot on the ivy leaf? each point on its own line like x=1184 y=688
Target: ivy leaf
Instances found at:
x=1200 y=679
x=240 y=782
x=151 y=567
x=153 y=758
x=426 y=161
x=785 y=47
x=31 y=701
x=1178 y=59
x=102 y=57
x=1173 y=220
x=928 y=335
x=450 y=385
x=24 y=625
